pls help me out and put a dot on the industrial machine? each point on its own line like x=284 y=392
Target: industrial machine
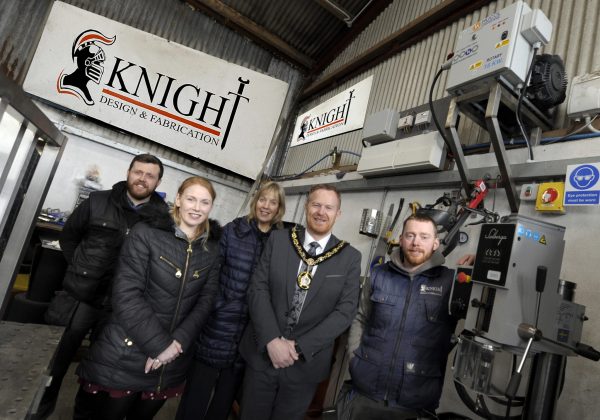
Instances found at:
x=515 y=305
x=497 y=79
x=513 y=301
x=500 y=45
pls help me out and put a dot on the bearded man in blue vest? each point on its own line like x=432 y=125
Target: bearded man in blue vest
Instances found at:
x=401 y=336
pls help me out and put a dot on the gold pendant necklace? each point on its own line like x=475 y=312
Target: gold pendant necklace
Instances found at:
x=304 y=279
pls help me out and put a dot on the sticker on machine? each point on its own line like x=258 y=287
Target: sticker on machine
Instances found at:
x=493 y=275
x=476 y=65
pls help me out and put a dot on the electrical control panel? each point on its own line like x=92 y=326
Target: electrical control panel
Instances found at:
x=498 y=45
x=584 y=99
x=423 y=152
x=380 y=127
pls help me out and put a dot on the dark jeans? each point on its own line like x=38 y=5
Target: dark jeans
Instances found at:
x=196 y=402
x=84 y=318
x=269 y=394
x=354 y=406
x=103 y=407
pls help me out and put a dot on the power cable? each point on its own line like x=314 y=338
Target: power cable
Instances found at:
x=298 y=175
x=583 y=127
x=520 y=102
x=432 y=110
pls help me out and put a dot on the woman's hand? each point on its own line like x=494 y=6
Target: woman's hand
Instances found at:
x=167 y=356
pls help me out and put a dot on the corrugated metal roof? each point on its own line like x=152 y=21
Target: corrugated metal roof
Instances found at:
x=305 y=25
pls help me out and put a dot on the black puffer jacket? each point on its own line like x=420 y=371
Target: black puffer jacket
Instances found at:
x=241 y=245
x=164 y=288
x=92 y=238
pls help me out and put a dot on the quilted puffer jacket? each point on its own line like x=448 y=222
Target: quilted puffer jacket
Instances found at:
x=164 y=289
x=241 y=245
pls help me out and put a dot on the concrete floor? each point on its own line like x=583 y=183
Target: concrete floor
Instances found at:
x=64 y=406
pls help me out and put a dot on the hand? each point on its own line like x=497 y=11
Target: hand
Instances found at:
x=170 y=353
x=468 y=259
x=292 y=346
x=282 y=355
x=151 y=364
x=167 y=356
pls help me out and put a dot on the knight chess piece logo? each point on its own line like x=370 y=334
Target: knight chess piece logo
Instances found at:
x=89 y=57
x=303 y=128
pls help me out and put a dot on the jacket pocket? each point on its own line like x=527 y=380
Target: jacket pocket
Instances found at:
x=199 y=273
x=382 y=312
x=432 y=309
x=177 y=272
x=422 y=385
x=364 y=370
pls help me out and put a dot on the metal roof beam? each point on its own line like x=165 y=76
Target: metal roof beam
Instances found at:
x=335 y=9
x=360 y=23
x=236 y=21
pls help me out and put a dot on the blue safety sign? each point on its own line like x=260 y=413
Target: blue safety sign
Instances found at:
x=581 y=186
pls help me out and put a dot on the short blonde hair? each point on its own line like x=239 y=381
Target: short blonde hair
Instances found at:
x=203 y=182
x=276 y=189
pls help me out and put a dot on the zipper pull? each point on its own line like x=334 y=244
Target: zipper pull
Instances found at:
x=196 y=274
x=189 y=249
x=178 y=273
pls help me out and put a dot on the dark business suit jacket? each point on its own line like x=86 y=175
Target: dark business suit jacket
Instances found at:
x=330 y=306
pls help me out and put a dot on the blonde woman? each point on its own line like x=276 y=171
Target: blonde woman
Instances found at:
x=218 y=368
x=164 y=289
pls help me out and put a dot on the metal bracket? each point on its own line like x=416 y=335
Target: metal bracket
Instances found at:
x=484 y=106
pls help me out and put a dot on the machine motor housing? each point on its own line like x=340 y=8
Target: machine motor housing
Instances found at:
x=497 y=46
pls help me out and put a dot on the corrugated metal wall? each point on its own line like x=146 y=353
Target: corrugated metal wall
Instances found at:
x=403 y=81
x=22 y=22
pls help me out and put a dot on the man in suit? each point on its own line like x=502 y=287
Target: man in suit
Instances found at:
x=303 y=295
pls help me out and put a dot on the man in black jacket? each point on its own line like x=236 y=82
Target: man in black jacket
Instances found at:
x=90 y=241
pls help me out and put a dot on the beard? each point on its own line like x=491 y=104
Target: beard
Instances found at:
x=417 y=259
x=137 y=194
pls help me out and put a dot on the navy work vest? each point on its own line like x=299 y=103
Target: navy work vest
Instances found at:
x=403 y=351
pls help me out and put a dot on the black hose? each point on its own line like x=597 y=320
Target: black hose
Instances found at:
x=521 y=96
x=432 y=110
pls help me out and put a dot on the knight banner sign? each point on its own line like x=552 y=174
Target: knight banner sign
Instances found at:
x=340 y=114
x=203 y=106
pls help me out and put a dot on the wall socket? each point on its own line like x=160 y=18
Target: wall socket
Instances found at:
x=423 y=118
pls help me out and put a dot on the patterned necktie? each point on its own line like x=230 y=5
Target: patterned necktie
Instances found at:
x=299 y=295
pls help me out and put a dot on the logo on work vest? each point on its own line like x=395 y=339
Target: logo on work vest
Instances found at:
x=431 y=290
